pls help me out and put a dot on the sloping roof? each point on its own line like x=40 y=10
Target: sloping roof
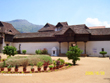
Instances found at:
x=47 y=27
x=102 y=31
x=34 y=35
x=96 y=27
x=62 y=24
x=7 y=28
x=78 y=29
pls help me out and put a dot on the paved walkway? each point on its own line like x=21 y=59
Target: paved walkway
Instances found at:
x=97 y=70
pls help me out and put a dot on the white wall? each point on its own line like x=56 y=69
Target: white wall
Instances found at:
x=32 y=46
x=97 y=46
x=90 y=46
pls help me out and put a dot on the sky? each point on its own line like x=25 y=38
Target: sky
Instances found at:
x=89 y=12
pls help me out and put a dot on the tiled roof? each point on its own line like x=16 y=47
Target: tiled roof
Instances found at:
x=64 y=23
x=102 y=31
x=96 y=27
x=34 y=35
x=78 y=29
x=47 y=27
x=7 y=28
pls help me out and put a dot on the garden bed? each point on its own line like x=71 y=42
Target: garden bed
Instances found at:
x=33 y=60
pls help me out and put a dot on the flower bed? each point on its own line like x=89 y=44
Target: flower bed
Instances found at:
x=42 y=62
x=65 y=66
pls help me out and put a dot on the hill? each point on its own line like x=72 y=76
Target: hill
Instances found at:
x=24 y=26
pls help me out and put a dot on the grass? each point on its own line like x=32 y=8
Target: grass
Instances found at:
x=33 y=59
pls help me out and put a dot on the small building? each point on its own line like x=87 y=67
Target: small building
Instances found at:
x=60 y=36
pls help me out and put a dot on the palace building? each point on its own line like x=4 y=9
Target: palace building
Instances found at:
x=61 y=36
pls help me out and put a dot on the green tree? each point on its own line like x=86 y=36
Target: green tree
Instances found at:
x=103 y=53
x=9 y=50
x=74 y=53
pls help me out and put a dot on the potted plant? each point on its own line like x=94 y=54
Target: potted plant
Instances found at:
x=51 y=67
x=16 y=68
x=25 y=64
x=3 y=65
x=45 y=65
x=9 y=67
x=66 y=63
x=39 y=65
x=61 y=62
x=0 y=58
x=32 y=69
x=57 y=64
x=54 y=63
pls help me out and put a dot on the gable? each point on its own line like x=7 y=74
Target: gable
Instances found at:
x=47 y=25
x=1 y=24
x=69 y=32
x=59 y=25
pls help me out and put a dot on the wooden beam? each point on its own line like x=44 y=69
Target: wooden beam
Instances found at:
x=76 y=42
x=59 y=48
x=68 y=46
x=85 y=47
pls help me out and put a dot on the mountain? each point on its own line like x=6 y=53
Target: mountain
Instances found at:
x=24 y=26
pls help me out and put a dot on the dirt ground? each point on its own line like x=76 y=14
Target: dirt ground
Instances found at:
x=88 y=70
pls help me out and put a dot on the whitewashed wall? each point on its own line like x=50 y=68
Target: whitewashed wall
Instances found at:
x=32 y=46
x=90 y=47
x=94 y=47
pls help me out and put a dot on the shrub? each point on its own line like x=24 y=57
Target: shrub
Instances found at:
x=74 y=53
x=0 y=57
x=33 y=59
x=44 y=51
x=61 y=61
x=9 y=66
x=32 y=65
x=38 y=51
x=57 y=63
x=39 y=64
x=24 y=51
x=46 y=64
x=103 y=53
x=54 y=63
x=3 y=64
x=51 y=66
x=25 y=63
x=9 y=50
x=16 y=66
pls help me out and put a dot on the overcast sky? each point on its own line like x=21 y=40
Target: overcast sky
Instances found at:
x=89 y=12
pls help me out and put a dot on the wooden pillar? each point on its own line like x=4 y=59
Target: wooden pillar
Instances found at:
x=76 y=42
x=68 y=46
x=59 y=48
x=84 y=47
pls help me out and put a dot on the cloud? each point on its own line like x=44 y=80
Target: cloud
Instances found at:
x=96 y=22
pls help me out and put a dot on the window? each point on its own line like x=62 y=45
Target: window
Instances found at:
x=10 y=30
x=55 y=29
x=7 y=44
x=53 y=51
x=102 y=49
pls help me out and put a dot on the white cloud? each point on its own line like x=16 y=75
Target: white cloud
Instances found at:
x=96 y=22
